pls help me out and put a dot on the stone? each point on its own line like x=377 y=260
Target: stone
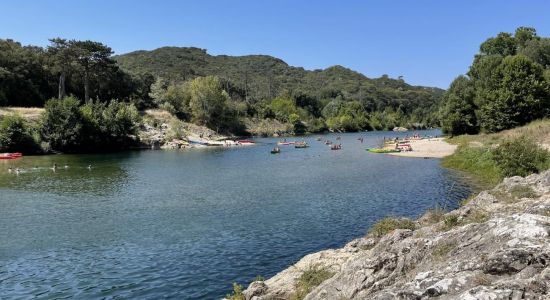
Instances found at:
x=503 y=256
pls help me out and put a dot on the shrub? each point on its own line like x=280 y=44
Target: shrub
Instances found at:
x=62 y=124
x=310 y=279
x=450 y=221
x=389 y=224
x=237 y=293
x=520 y=157
x=15 y=135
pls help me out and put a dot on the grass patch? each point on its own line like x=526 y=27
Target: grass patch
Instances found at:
x=443 y=250
x=476 y=216
x=450 y=222
x=523 y=191
x=387 y=225
x=476 y=161
x=433 y=216
x=310 y=279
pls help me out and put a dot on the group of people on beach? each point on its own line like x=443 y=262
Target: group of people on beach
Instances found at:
x=54 y=168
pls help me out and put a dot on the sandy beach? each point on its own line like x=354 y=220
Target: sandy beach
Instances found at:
x=434 y=147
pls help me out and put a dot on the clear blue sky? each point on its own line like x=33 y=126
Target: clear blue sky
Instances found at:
x=427 y=42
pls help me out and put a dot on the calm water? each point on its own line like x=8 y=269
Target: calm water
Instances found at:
x=186 y=224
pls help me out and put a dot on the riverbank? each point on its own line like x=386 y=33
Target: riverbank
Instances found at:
x=493 y=247
x=428 y=147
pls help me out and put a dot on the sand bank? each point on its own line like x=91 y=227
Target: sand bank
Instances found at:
x=434 y=147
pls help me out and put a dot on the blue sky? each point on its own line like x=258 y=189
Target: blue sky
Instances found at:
x=428 y=42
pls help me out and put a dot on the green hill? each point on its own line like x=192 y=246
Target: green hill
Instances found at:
x=261 y=77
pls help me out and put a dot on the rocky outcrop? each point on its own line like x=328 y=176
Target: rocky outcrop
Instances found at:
x=496 y=246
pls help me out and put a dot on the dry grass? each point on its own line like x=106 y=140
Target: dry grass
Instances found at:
x=29 y=113
x=442 y=250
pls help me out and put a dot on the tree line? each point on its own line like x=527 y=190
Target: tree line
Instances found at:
x=30 y=75
x=507 y=85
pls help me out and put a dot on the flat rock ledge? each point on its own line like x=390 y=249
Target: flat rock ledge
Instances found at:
x=496 y=246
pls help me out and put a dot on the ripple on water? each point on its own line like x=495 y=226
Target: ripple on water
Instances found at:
x=185 y=225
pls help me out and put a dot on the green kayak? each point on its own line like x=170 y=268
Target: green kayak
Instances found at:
x=381 y=150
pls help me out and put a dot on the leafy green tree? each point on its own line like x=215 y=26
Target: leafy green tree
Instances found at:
x=458 y=111
x=525 y=34
x=15 y=136
x=283 y=106
x=503 y=44
x=520 y=96
x=62 y=124
x=208 y=101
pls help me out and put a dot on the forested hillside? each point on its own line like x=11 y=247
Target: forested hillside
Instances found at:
x=338 y=95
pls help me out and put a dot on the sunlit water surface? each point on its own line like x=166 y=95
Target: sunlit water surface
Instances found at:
x=187 y=224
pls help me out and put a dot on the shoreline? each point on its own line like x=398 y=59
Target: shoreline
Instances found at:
x=428 y=148
x=472 y=252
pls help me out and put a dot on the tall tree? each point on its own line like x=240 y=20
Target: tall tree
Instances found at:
x=61 y=55
x=458 y=110
x=93 y=57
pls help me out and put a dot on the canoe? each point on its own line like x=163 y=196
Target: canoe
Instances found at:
x=301 y=145
x=245 y=142
x=275 y=151
x=380 y=150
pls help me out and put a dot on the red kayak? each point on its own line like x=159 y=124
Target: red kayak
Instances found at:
x=10 y=155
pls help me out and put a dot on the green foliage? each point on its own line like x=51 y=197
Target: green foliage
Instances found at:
x=208 y=100
x=237 y=293
x=450 y=221
x=458 y=112
x=310 y=279
x=521 y=156
x=387 y=225
x=523 y=191
x=62 y=124
x=29 y=75
x=507 y=86
x=69 y=127
x=477 y=161
x=283 y=107
x=15 y=136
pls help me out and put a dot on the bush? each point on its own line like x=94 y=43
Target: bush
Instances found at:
x=237 y=293
x=62 y=124
x=387 y=225
x=15 y=135
x=520 y=157
x=69 y=127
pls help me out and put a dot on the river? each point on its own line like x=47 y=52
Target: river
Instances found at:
x=187 y=224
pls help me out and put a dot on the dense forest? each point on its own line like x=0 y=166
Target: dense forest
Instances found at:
x=336 y=98
x=507 y=85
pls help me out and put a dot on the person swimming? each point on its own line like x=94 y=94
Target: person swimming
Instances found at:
x=10 y=170
x=66 y=166
x=17 y=171
x=89 y=167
